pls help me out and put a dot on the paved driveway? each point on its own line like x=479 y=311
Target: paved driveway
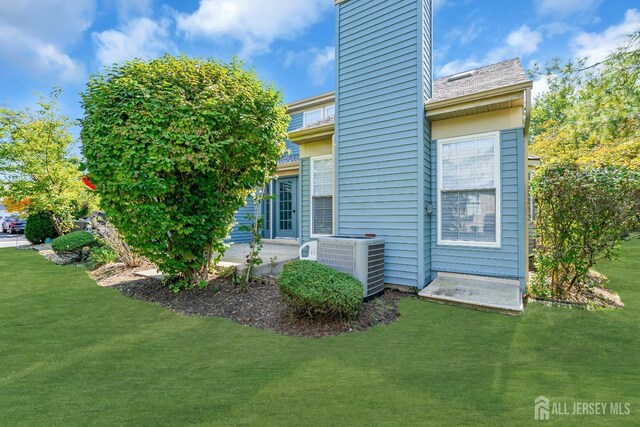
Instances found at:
x=12 y=240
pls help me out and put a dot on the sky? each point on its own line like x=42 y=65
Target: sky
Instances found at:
x=60 y=43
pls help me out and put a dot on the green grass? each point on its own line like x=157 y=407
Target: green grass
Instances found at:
x=72 y=353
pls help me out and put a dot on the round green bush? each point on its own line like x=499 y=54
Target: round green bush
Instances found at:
x=313 y=289
x=39 y=226
x=73 y=242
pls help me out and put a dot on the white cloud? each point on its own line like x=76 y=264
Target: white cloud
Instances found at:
x=524 y=41
x=597 y=46
x=35 y=33
x=540 y=86
x=322 y=65
x=129 y=8
x=319 y=63
x=464 y=34
x=437 y=4
x=520 y=42
x=564 y=8
x=139 y=38
x=255 y=23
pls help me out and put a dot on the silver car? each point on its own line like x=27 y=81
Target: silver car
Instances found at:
x=12 y=225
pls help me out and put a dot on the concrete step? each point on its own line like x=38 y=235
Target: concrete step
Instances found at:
x=477 y=292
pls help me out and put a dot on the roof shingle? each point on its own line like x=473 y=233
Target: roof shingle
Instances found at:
x=481 y=79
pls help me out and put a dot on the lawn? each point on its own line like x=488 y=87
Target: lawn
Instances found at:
x=72 y=353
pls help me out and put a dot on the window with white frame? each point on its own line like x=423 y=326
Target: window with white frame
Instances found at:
x=313 y=116
x=330 y=111
x=318 y=114
x=321 y=196
x=469 y=190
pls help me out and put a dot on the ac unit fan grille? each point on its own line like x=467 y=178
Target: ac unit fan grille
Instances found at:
x=375 y=277
x=338 y=256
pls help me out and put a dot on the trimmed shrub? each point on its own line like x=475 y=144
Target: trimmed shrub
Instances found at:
x=315 y=290
x=73 y=243
x=101 y=255
x=39 y=227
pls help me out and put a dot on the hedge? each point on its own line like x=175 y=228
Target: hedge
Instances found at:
x=73 y=242
x=39 y=227
x=315 y=290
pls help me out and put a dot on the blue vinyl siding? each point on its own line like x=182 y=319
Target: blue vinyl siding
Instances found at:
x=238 y=236
x=305 y=200
x=296 y=123
x=380 y=130
x=509 y=259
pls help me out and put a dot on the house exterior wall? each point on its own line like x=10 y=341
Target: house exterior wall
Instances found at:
x=380 y=129
x=508 y=260
x=478 y=123
x=383 y=67
x=296 y=123
x=238 y=236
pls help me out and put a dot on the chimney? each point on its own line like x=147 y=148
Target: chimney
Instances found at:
x=383 y=143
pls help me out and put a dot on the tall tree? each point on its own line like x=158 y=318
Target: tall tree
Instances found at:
x=37 y=168
x=591 y=114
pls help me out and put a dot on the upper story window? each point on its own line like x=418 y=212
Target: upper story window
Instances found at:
x=330 y=110
x=318 y=114
x=313 y=116
x=469 y=190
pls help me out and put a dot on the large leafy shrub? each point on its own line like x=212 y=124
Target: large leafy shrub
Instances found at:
x=313 y=289
x=39 y=227
x=175 y=146
x=581 y=216
x=73 y=243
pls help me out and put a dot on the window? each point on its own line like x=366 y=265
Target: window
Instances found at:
x=312 y=116
x=318 y=114
x=321 y=196
x=468 y=190
x=330 y=111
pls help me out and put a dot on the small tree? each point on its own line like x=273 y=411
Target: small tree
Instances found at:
x=581 y=217
x=37 y=169
x=175 y=146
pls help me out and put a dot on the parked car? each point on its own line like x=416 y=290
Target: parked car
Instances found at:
x=12 y=225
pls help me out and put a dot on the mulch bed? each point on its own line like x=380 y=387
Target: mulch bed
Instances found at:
x=593 y=294
x=261 y=306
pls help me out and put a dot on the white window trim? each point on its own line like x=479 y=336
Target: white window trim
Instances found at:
x=304 y=116
x=323 y=113
x=312 y=160
x=497 y=181
x=326 y=114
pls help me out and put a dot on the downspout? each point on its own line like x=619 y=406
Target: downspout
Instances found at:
x=527 y=117
x=527 y=122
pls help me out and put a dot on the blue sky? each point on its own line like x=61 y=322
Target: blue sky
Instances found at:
x=47 y=43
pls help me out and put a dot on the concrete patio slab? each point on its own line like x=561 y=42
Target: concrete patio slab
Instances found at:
x=482 y=293
x=273 y=255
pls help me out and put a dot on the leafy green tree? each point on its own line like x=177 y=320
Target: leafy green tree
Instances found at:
x=581 y=215
x=175 y=145
x=591 y=114
x=37 y=169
